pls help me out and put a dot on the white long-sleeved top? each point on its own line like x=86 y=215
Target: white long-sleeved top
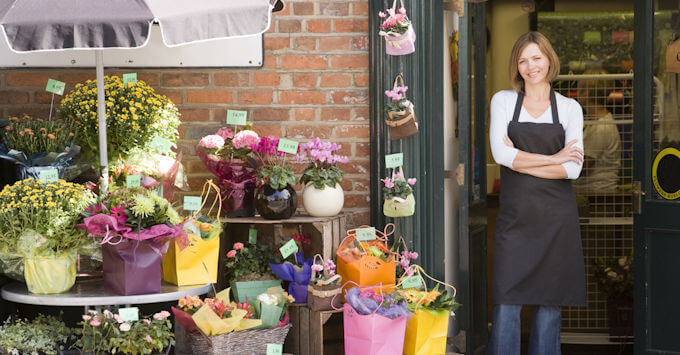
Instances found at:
x=502 y=108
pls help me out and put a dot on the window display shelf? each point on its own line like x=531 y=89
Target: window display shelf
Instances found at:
x=607 y=221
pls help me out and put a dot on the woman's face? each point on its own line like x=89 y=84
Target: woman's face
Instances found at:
x=533 y=65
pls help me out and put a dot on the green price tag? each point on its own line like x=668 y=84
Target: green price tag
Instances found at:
x=364 y=234
x=130 y=78
x=133 y=181
x=592 y=37
x=287 y=146
x=412 y=282
x=159 y=190
x=192 y=203
x=274 y=349
x=252 y=236
x=55 y=86
x=288 y=248
x=161 y=144
x=49 y=175
x=237 y=118
x=129 y=314
x=394 y=160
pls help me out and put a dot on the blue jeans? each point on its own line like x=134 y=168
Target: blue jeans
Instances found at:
x=506 y=331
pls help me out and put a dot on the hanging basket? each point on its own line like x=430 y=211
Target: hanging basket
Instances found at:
x=401 y=124
x=399 y=43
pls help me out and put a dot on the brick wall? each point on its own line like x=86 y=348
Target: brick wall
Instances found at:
x=314 y=82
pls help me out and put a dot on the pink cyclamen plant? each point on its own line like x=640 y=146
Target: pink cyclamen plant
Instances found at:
x=394 y=21
x=323 y=161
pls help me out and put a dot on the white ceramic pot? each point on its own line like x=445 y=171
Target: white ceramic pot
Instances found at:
x=323 y=203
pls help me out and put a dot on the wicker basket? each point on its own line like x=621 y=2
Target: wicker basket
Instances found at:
x=241 y=342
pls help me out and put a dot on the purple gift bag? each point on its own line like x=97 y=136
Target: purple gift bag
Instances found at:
x=402 y=44
x=131 y=267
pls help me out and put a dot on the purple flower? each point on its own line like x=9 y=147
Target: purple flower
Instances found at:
x=404 y=263
x=388 y=183
x=317 y=268
x=409 y=271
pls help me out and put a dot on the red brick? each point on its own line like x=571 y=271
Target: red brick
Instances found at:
x=356 y=97
x=360 y=43
x=360 y=8
x=195 y=114
x=232 y=79
x=335 y=114
x=352 y=131
x=361 y=218
x=195 y=182
x=264 y=130
x=300 y=131
x=44 y=97
x=71 y=79
x=29 y=110
x=255 y=97
x=151 y=79
x=346 y=185
x=334 y=43
x=362 y=149
x=361 y=114
x=335 y=80
x=346 y=149
x=210 y=96
x=303 y=8
x=304 y=62
x=361 y=79
x=173 y=95
x=29 y=79
x=276 y=43
x=361 y=184
x=302 y=97
x=351 y=25
x=271 y=114
x=357 y=167
x=270 y=62
x=353 y=200
x=319 y=26
x=305 y=114
x=285 y=11
x=266 y=79
x=181 y=130
x=305 y=43
x=334 y=9
x=304 y=80
x=13 y=97
x=194 y=166
x=289 y=26
x=349 y=61
x=186 y=79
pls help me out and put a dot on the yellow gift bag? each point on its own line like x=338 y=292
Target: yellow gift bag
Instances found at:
x=196 y=264
x=50 y=274
x=427 y=329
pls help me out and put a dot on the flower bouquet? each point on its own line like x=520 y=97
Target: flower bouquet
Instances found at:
x=227 y=154
x=275 y=197
x=322 y=195
x=324 y=285
x=221 y=326
x=38 y=235
x=135 y=225
x=374 y=323
x=296 y=274
x=157 y=171
x=427 y=328
x=108 y=333
x=398 y=195
x=401 y=119
x=34 y=145
x=397 y=30
x=247 y=269
x=135 y=116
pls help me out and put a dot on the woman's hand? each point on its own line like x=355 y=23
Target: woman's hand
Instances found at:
x=569 y=153
x=508 y=142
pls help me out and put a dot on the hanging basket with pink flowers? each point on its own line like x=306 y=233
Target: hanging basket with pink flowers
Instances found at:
x=397 y=30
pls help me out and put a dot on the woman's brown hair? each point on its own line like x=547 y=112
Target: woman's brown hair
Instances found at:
x=544 y=45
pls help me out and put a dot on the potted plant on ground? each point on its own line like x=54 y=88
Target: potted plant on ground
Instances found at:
x=227 y=154
x=108 y=333
x=44 y=335
x=615 y=279
x=247 y=269
x=35 y=144
x=398 y=195
x=322 y=195
x=38 y=235
x=275 y=197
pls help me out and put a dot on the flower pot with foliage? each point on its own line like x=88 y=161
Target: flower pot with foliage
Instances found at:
x=247 y=269
x=398 y=195
x=43 y=335
x=322 y=196
x=38 y=233
x=275 y=198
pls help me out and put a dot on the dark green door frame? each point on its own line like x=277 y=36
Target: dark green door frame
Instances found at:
x=423 y=153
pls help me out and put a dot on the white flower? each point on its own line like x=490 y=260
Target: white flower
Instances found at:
x=125 y=327
x=268 y=299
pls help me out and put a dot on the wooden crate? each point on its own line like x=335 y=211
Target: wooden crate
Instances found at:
x=314 y=332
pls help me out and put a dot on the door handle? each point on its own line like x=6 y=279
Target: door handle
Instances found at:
x=637 y=197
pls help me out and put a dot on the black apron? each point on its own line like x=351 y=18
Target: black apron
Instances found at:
x=538 y=259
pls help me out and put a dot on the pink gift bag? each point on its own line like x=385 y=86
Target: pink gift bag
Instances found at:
x=396 y=42
x=372 y=334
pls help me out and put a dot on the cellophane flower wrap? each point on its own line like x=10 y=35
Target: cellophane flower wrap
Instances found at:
x=297 y=275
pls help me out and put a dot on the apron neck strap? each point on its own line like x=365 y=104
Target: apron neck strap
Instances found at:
x=553 y=106
x=518 y=106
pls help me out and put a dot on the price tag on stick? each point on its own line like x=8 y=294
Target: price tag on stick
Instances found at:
x=364 y=234
x=287 y=146
x=394 y=160
x=411 y=282
x=274 y=349
x=49 y=175
x=192 y=203
x=129 y=314
x=288 y=248
x=133 y=181
x=161 y=144
x=252 y=236
x=55 y=86
x=130 y=78
x=237 y=118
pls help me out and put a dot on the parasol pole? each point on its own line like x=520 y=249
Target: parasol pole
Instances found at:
x=101 y=114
